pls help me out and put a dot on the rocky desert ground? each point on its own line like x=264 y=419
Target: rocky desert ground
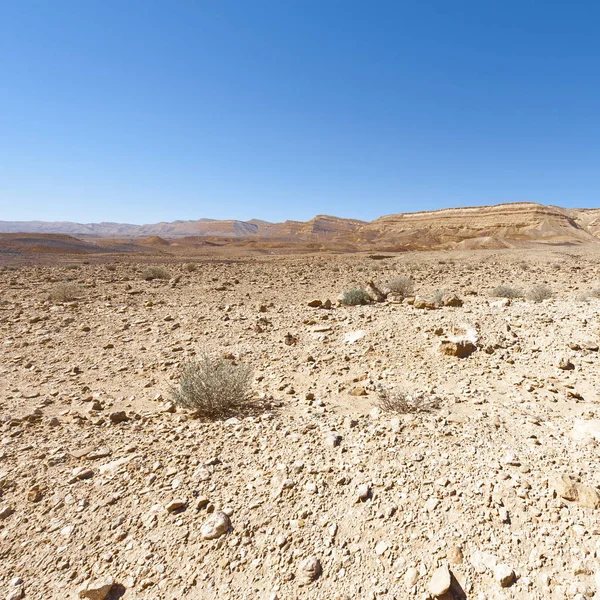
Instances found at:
x=485 y=487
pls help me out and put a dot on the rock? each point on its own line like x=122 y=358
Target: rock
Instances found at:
x=459 y=348
x=353 y=336
x=424 y=303
x=333 y=439
x=315 y=303
x=504 y=575
x=565 y=364
x=5 y=511
x=118 y=417
x=309 y=570
x=451 y=300
x=587 y=496
x=411 y=577
x=215 y=526
x=363 y=492
x=381 y=547
x=80 y=473
x=176 y=504
x=440 y=582
x=97 y=590
x=454 y=555
x=374 y=292
x=358 y=391
x=569 y=489
x=431 y=504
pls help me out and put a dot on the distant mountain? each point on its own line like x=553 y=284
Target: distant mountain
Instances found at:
x=499 y=226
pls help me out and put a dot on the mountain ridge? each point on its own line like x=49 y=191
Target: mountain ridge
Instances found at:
x=507 y=225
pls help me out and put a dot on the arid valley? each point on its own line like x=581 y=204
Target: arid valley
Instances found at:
x=439 y=438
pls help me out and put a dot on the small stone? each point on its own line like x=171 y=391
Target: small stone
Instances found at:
x=504 y=575
x=333 y=439
x=440 y=583
x=565 y=364
x=215 y=526
x=363 y=492
x=5 y=511
x=80 y=473
x=358 y=391
x=431 y=504
x=315 y=303
x=97 y=590
x=454 y=555
x=176 y=504
x=381 y=547
x=411 y=577
x=460 y=348
x=119 y=416
x=309 y=570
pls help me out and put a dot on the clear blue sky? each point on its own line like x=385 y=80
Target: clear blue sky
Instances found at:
x=141 y=111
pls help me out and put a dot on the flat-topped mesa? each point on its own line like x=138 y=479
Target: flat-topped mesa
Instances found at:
x=496 y=226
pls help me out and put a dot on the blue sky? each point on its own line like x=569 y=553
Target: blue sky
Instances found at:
x=141 y=111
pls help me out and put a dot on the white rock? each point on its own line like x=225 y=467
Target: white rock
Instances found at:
x=215 y=526
x=504 y=575
x=97 y=590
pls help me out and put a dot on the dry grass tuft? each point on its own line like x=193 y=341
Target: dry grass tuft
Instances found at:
x=402 y=286
x=214 y=388
x=64 y=292
x=397 y=402
x=155 y=273
x=539 y=292
x=507 y=291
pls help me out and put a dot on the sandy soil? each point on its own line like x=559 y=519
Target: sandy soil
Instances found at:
x=106 y=486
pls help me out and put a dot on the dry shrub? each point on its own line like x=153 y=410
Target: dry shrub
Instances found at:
x=190 y=267
x=595 y=293
x=397 y=402
x=507 y=291
x=402 y=286
x=539 y=292
x=355 y=297
x=64 y=292
x=155 y=273
x=214 y=388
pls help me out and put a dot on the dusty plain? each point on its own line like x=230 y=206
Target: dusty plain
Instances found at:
x=106 y=486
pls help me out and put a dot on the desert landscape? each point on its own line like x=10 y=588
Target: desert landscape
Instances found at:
x=420 y=420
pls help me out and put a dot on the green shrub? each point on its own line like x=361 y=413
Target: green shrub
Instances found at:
x=355 y=297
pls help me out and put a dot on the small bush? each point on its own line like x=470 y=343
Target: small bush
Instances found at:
x=539 y=292
x=595 y=293
x=398 y=402
x=506 y=291
x=523 y=266
x=402 y=286
x=72 y=267
x=214 y=387
x=155 y=273
x=64 y=292
x=355 y=297
x=111 y=268
x=190 y=267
